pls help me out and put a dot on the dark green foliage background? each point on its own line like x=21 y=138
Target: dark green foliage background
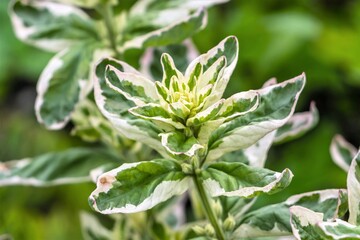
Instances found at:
x=277 y=39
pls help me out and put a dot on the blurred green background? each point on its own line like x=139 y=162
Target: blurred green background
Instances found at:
x=277 y=39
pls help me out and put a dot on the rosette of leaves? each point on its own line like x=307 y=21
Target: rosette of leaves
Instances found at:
x=82 y=31
x=185 y=118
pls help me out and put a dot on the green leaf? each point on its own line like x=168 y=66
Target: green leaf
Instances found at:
x=353 y=186
x=62 y=84
x=115 y=106
x=169 y=70
x=157 y=114
x=238 y=179
x=277 y=104
x=85 y=3
x=131 y=85
x=342 y=152
x=227 y=48
x=182 y=54
x=298 y=125
x=173 y=33
x=51 y=26
x=212 y=117
x=136 y=187
x=180 y=146
x=304 y=224
x=66 y=167
x=340 y=229
x=274 y=220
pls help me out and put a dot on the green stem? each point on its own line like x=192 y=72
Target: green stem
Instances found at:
x=209 y=211
x=108 y=16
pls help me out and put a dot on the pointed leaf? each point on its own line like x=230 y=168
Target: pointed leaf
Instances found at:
x=342 y=152
x=340 y=229
x=169 y=70
x=353 y=186
x=227 y=48
x=174 y=33
x=51 y=26
x=179 y=146
x=66 y=167
x=132 y=86
x=274 y=220
x=115 y=106
x=157 y=113
x=297 y=125
x=304 y=223
x=277 y=104
x=62 y=84
x=255 y=155
x=238 y=179
x=136 y=187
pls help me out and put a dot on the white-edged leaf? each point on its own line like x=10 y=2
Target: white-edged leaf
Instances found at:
x=227 y=48
x=303 y=223
x=135 y=187
x=353 y=186
x=132 y=86
x=277 y=104
x=297 y=125
x=340 y=229
x=255 y=155
x=51 y=26
x=156 y=113
x=179 y=146
x=274 y=220
x=66 y=167
x=342 y=152
x=174 y=33
x=62 y=84
x=115 y=106
x=238 y=179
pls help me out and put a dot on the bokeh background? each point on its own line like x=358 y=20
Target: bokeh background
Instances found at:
x=277 y=39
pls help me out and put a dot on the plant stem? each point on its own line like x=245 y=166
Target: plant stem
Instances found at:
x=108 y=16
x=209 y=212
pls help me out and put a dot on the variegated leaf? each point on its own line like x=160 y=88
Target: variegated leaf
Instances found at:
x=132 y=86
x=62 y=84
x=340 y=229
x=172 y=33
x=304 y=224
x=342 y=152
x=274 y=220
x=66 y=167
x=277 y=104
x=353 y=186
x=84 y=3
x=227 y=48
x=238 y=179
x=297 y=125
x=182 y=54
x=51 y=26
x=136 y=187
x=180 y=146
x=255 y=155
x=115 y=106
x=92 y=228
x=158 y=114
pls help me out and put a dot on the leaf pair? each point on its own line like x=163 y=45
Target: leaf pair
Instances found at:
x=135 y=187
